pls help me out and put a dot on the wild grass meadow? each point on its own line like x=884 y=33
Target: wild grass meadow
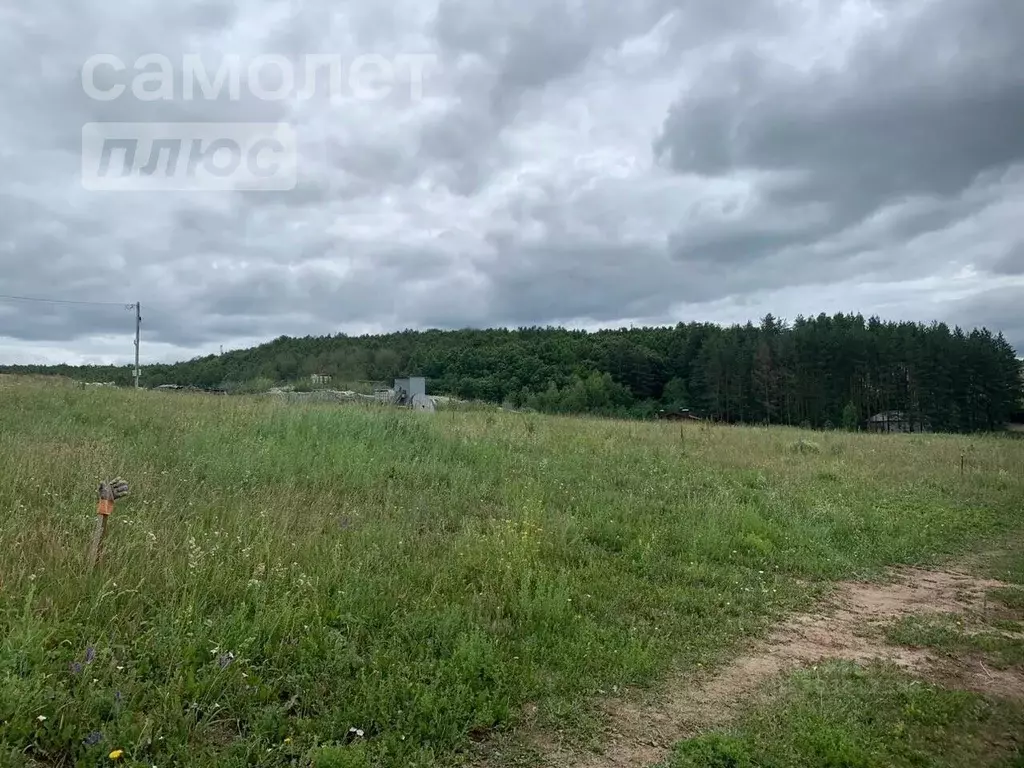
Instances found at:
x=323 y=585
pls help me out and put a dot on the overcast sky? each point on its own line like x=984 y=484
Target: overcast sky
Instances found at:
x=588 y=164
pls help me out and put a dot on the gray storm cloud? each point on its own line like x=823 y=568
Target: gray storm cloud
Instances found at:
x=588 y=165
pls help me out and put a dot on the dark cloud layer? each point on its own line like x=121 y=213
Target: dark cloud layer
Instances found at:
x=921 y=109
x=588 y=165
x=1013 y=262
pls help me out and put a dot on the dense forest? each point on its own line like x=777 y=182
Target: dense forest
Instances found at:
x=821 y=372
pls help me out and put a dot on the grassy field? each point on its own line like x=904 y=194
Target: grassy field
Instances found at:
x=356 y=586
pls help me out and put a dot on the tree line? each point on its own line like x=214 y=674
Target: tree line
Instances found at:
x=822 y=372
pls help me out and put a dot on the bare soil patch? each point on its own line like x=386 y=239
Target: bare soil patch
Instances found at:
x=641 y=731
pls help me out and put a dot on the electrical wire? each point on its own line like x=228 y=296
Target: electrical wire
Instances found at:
x=126 y=305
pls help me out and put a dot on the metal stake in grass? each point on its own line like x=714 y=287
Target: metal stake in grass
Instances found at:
x=107 y=494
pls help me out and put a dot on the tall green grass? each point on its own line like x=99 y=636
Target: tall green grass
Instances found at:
x=357 y=586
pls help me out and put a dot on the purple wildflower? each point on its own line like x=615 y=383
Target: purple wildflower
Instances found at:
x=76 y=667
x=93 y=738
x=224 y=659
x=90 y=654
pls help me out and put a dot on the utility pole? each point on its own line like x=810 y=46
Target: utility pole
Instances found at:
x=138 y=326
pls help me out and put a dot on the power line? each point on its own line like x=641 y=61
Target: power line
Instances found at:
x=126 y=305
x=137 y=306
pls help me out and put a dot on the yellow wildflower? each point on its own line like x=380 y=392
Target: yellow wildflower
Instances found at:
x=116 y=754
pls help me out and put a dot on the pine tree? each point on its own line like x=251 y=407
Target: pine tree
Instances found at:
x=850 y=419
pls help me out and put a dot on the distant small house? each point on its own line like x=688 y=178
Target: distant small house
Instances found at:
x=412 y=392
x=190 y=388
x=896 y=421
x=407 y=388
x=677 y=414
x=319 y=378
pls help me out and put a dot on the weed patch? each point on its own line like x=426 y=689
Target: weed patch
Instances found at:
x=1010 y=597
x=841 y=714
x=953 y=637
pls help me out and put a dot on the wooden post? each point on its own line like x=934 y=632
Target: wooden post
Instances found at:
x=103 y=509
x=97 y=540
x=108 y=493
